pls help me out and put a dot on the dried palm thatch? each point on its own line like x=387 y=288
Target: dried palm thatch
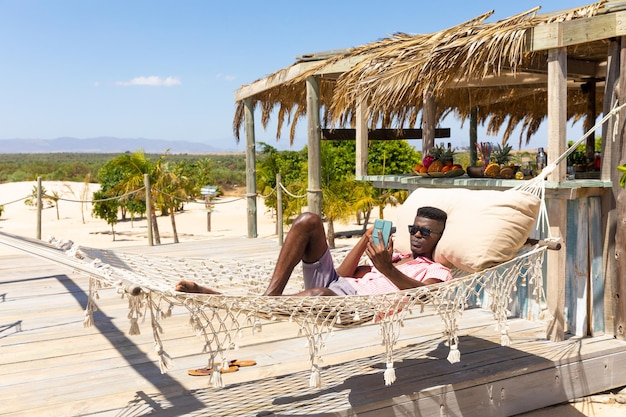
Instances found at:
x=395 y=74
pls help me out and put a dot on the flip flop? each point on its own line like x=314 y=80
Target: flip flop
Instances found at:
x=242 y=362
x=208 y=371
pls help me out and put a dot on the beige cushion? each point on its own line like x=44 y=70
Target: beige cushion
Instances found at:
x=484 y=227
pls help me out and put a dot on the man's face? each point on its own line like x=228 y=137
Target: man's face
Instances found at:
x=422 y=245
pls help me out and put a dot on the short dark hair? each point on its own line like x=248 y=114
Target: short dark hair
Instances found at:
x=432 y=213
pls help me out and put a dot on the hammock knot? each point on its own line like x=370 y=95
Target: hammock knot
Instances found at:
x=216 y=378
x=505 y=339
x=88 y=321
x=134 y=327
x=315 y=381
x=257 y=327
x=390 y=374
x=455 y=355
x=75 y=252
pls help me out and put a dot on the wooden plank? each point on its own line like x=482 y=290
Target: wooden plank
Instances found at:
x=353 y=391
x=577 y=267
x=620 y=208
x=577 y=31
x=503 y=396
x=107 y=373
x=279 y=77
x=596 y=273
x=381 y=134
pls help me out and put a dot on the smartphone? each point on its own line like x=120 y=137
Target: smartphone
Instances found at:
x=385 y=227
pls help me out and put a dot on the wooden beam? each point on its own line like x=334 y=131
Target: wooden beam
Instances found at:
x=381 y=134
x=428 y=123
x=557 y=119
x=250 y=169
x=314 y=188
x=361 y=135
x=273 y=80
x=293 y=71
x=578 y=31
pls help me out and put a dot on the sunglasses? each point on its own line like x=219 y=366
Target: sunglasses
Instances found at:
x=424 y=231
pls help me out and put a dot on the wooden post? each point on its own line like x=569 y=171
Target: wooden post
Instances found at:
x=590 y=119
x=146 y=183
x=250 y=168
x=361 y=128
x=279 y=209
x=473 y=132
x=428 y=124
x=557 y=119
x=39 y=207
x=314 y=189
x=620 y=208
x=610 y=156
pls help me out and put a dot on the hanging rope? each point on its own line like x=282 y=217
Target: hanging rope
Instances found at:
x=290 y=194
x=117 y=197
x=15 y=201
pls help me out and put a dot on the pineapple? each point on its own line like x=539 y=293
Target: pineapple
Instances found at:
x=448 y=156
x=501 y=155
x=492 y=170
x=441 y=157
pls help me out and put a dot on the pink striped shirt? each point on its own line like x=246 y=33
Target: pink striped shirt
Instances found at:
x=419 y=269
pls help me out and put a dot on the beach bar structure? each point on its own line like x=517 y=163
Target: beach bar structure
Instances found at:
x=522 y=71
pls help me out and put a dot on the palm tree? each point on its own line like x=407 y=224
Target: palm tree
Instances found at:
x=337 y=205
x=389 y=197
x=364 y=201
x=134 y=166
x=55 y=199
x=170 y=191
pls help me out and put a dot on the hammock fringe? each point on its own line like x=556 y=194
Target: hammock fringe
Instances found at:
x=390 y=374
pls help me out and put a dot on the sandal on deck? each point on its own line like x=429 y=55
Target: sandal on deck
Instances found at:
x=233 y=367
x=208 y=371
x=242 y=362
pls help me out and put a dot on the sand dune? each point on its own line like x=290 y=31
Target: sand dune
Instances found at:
x=75 y=221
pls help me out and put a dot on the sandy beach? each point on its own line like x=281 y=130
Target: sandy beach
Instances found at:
x=228 y=219
x=75 y=221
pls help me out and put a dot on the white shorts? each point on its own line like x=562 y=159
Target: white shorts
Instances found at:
x=322 y=273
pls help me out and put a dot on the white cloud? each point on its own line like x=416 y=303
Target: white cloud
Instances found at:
x=151 y=81
x=226 y=77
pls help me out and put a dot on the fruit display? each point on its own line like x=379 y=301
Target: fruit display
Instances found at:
x=439 y=163
x=492 y=170
x=498 y=159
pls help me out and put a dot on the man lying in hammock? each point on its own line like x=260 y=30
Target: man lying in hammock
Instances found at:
x=306 y=242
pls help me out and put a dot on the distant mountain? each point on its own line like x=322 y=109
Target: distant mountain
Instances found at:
x=105 y=144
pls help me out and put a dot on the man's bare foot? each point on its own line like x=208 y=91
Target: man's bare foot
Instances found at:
x=190 y=286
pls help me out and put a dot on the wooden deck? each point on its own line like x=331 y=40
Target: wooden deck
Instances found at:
x=51 y=366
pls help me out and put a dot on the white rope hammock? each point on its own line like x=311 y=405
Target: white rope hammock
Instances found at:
x=219 y=319
x=149 y=283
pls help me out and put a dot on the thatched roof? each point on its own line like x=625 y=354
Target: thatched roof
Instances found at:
x=489 y=66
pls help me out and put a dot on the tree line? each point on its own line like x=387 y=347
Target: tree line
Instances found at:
x=178 y=179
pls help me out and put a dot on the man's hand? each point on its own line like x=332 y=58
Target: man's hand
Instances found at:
x=378 y=254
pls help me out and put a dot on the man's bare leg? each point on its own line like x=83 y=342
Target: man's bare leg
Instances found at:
x=306 y=241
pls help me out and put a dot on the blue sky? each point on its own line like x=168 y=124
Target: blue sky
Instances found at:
x=169 y=69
